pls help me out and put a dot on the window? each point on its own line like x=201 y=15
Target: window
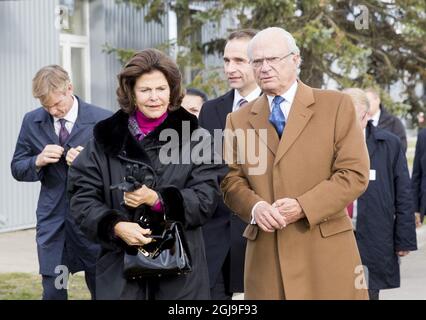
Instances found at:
x=74 y=44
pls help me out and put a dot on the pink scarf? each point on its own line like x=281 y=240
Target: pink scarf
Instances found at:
x=147 y=124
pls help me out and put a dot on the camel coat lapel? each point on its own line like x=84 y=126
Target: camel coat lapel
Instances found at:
x=299 y=116
x=259 y=119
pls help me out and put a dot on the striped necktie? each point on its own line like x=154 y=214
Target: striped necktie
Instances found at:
x=63 y=132
x=241 y=103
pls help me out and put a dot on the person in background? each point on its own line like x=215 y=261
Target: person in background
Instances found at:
x=382 y=216
x=418 y=178
x=225 y=254
x=51 y=138
x=421 y=121
x=193 y=100
x=383 y=119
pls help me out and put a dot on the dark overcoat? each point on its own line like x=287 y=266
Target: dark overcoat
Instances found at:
x=418 y=178
x=385 y=221
x=189 y=192
x=393 y=124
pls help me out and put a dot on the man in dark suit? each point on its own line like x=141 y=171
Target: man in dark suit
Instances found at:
x=419 y=172
x=383 y=119
x=51 y=137
x=225 y=246
x=383 y=215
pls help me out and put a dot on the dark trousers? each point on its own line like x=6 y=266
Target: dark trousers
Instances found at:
x=90 y=277
x=52 y=291
x=374 y=294
x=220 y=290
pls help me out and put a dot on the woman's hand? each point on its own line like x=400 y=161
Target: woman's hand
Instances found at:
x=132 y=233
x=143 y=195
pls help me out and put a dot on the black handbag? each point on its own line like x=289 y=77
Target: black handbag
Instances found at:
x=166 y=255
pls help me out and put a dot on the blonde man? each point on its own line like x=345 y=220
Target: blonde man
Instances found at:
x=51 y=137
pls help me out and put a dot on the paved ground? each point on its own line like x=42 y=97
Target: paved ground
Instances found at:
x=18 y=253
x=413 y=274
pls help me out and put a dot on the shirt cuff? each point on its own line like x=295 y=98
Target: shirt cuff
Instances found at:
x=253 y=221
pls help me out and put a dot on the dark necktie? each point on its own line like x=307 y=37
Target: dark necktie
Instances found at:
x=241 y=103
x=63 y=132
x=277 y=116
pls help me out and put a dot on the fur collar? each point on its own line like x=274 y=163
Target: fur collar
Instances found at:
x=114 y=137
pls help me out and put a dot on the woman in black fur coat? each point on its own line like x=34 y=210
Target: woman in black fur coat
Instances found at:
x=151 y=129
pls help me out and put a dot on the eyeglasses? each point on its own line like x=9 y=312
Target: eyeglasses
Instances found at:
x=257 y=63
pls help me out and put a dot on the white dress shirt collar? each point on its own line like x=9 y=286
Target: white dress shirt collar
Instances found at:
x=288 y=95
x=72 y=115
x=250 y=97
x=288 y=102
x=376 y=118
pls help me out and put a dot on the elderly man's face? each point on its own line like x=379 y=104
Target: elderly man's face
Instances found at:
x=275 y=67
x=363 y=116
x=374 y=101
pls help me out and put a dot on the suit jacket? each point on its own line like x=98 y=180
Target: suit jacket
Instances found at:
x=391 y=123
x=418 y=179
x=385 y=221
x=223 y=232
x=55 y=227
x=322 y=161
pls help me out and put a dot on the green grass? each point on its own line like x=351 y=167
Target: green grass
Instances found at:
x=27 y=286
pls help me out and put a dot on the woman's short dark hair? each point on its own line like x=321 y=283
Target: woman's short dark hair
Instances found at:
x=146 y=61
